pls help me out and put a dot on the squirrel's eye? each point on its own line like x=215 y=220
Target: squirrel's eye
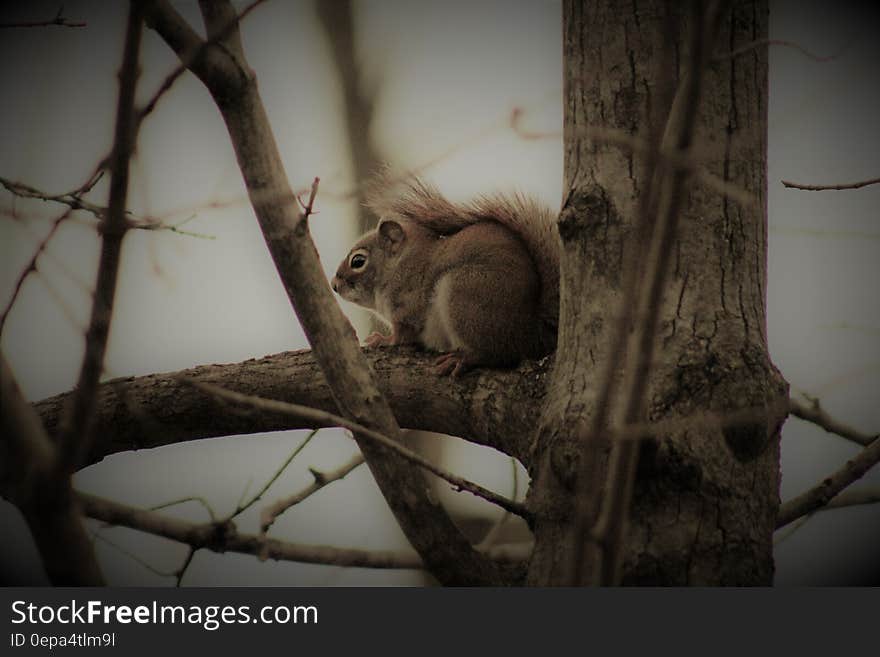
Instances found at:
x=358 y=260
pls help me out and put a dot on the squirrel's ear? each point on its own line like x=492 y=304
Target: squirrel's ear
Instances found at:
x=391 y=235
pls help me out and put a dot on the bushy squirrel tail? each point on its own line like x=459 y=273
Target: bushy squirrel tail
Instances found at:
x=414 y=200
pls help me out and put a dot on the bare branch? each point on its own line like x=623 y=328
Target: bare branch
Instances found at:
x=76 y=428
x=270 y=513
x=675 y=158
x=242 y=507
x=62 y=303
x=324 y=419
x=224 y=537
x=857 y=497
x=131 y=555
x=75 y=202
x=184 y=566
x=847 y=498
x=824 y=492
x=494 y=532
x=31 y=266
x=308 y=207
x=823 y=188
x=183 y=500
x=816 y=414
x=497 y=408
x=71 y=199
x=58 y=21
x=762 y=43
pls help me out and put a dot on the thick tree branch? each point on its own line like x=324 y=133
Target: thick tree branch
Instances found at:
x=822 y=494
x=208 y=64
x=496 y=408
x=190 y=50
x=318 y=418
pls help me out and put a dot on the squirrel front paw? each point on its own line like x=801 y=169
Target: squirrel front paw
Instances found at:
x=453 y=364
x=377 y=339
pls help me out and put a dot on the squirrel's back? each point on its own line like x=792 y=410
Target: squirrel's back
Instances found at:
x=416 y=201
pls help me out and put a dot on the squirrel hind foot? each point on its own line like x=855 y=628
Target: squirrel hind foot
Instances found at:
x=377 y=339
x=453 y=364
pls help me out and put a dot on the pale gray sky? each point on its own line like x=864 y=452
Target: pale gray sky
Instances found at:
x=449 y=75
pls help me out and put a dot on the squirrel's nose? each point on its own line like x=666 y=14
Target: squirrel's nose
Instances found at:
x=333 y=285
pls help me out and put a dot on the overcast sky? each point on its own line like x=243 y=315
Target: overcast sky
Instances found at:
x=448 y=76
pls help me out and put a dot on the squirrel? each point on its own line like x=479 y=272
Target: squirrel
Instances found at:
x=478 y=282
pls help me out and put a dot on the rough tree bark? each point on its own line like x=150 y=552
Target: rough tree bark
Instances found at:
x=706 y=499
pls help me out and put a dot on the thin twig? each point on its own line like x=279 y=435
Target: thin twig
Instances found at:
x=308 y=207
x=825 y=491
x=224 y=537
x=31 y=266
x=635 y=144
x=324 y=419
x=491 y=536
x=75 y=433
x=58 y=21
x=270 y=513
x=672 y=157
x=66 y=269
x=814 y=413
x=241 y=508
x=823 y=188
x=75 y=202
x=184 y=500
x=62 y=303
x=178 y=575
x=131 y=555
x=754 y=45
x=71 y=199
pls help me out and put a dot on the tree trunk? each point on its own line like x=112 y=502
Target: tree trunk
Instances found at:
x=706 y=494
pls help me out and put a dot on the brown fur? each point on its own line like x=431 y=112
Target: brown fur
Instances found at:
x=480 y=280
